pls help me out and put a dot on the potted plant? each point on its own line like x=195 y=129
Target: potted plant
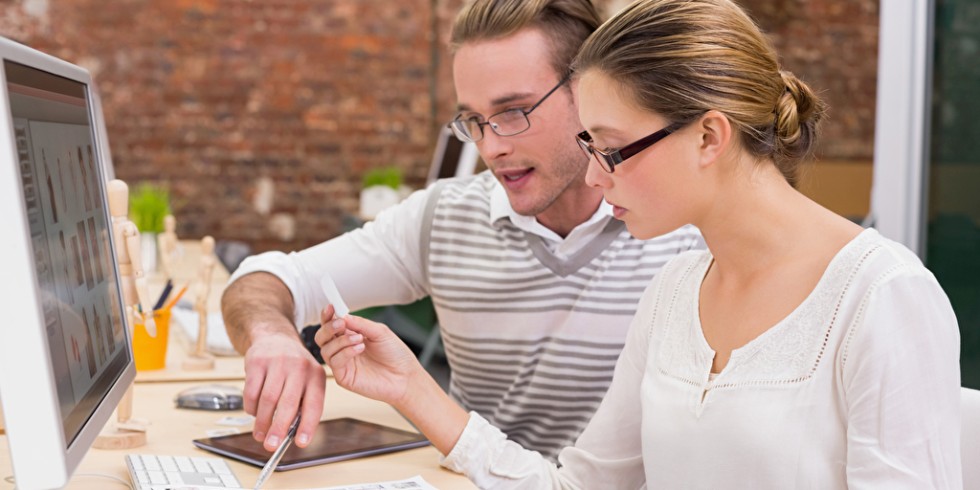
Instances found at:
x=148 y=204
x=380 y=188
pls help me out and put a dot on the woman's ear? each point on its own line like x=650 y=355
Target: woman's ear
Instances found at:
x=716 y=136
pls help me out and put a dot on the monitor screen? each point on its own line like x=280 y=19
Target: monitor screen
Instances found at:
x=65 y=357
x=69 y=237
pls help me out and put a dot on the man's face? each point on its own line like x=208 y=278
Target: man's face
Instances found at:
x=535 y=167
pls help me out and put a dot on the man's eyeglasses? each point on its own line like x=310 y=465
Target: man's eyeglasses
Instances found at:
x=610 y=158
x=504 y=123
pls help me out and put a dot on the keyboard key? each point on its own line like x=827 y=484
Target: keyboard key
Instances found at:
x=228 y=479
x=184 y=464
x=167 y=463
x=157 y=478
x=201 y=465
x=174 y=478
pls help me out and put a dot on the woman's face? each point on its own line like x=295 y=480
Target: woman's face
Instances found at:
x=654 y=191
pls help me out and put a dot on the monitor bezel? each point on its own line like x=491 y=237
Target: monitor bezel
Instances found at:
x=40 y=454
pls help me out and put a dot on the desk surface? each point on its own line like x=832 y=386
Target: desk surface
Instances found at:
x=173 y=429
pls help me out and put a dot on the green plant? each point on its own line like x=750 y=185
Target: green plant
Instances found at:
x=148 y=204
x=389 y=176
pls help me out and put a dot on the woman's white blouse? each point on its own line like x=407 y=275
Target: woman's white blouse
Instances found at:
x=858 y=387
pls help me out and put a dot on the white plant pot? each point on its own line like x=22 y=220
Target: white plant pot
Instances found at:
x=377 y=198
x=148 y=249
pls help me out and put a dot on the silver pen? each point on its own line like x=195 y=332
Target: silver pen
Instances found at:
x=270 y=465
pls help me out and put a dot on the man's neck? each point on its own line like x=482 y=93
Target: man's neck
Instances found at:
x=571 y=209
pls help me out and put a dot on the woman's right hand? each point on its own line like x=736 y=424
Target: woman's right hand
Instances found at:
x=366 y=357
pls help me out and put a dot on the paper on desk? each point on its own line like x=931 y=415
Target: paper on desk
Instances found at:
x=413 y=483
x=218 y=342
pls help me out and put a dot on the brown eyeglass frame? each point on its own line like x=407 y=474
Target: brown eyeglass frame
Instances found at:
x=611 y=158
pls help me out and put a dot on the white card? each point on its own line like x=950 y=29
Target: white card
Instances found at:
x=226 y=431
x=333 y=296
x=236 y=420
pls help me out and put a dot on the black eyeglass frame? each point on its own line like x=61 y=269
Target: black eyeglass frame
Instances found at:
x=461 y=135
x=611 y=158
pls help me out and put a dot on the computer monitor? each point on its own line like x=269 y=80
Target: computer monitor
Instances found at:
x=65 y=359
x=452 y=157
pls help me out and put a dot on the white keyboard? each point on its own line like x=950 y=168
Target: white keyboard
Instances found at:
x=151 y=472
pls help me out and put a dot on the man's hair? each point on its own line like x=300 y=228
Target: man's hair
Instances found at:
x=566 y=23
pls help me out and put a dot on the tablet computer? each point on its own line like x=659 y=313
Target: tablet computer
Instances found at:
x=334 y=440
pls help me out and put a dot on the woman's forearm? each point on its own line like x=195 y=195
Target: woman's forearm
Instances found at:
x=432 y=411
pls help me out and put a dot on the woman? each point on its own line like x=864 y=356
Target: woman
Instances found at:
x=801 y=352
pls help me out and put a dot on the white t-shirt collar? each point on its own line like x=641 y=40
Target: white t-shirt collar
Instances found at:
x=500 y=208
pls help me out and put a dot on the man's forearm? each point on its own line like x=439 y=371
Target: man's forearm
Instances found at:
x=255 y=305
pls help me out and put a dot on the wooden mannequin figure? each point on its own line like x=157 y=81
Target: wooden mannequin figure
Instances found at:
x=201 y=359
x=130 y=258
x=127 y=432
x=167 y=244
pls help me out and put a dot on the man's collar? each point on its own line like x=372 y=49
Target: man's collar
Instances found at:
x=500 y=207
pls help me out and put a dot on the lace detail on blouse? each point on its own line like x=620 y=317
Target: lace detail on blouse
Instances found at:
x=787 y=353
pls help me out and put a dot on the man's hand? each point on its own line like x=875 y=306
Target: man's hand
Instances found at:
x=279 y=371
x=280 y=375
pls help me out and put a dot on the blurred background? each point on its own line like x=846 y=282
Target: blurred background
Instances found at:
x=229 y=102
x=263 y=119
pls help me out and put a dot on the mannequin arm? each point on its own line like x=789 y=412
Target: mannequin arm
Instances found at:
x=132 y=236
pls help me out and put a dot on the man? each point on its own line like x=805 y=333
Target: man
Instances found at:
x=533 y=280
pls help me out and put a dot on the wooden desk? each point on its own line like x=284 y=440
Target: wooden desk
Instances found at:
x=173 y=429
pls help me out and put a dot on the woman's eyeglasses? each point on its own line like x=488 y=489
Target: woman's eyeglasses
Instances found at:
x=610 y=158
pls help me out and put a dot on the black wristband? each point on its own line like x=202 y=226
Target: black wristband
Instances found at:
x=307 y=335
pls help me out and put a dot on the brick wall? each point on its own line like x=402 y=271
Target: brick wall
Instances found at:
x=833 y=46
x=211 y=97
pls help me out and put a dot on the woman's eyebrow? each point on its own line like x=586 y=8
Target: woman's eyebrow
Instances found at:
x=603 y=131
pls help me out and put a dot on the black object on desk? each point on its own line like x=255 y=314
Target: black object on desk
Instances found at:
x=335 y=440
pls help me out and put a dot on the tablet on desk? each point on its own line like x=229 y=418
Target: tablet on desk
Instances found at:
x=334 y=440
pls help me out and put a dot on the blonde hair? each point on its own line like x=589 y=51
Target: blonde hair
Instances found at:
x=566 y=23
x=681 y=58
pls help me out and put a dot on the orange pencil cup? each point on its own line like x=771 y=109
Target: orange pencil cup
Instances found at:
x=151 y=352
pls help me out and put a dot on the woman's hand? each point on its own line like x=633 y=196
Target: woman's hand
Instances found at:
x=366 y=357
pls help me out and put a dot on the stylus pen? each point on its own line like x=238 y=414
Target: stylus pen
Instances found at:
x=270 y=466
